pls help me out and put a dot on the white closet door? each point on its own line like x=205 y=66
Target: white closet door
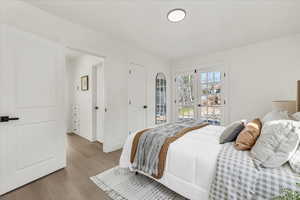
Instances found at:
x=137 y=109
x=32 y=89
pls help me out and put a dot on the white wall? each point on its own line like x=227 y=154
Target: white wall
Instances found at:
x=117 y=55
x=258 y=74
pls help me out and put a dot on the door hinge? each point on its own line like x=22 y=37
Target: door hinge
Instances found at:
x=224 y=74
x=105 y=109
x=129 y=102
x=175 y=101
x=175 y=80
x=224 y=102
x=195 y=71
x=130 y=71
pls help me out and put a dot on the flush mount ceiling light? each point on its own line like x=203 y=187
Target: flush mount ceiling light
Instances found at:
x=176 y=15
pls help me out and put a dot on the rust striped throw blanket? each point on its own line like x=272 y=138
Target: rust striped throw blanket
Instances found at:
x=150 y=146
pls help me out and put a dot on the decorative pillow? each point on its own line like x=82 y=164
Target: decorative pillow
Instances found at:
x=275 y=115
x=277 y=143
x=295 y=161
x=249 y=135
x=231 y=132
x=296 y=116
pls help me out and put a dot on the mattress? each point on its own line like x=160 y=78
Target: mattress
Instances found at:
x=190 y=163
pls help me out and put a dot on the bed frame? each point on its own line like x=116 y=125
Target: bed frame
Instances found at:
x=298 y=96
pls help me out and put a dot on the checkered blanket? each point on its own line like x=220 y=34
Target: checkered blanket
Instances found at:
x=238 y=177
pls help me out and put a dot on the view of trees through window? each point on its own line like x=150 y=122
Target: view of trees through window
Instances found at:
x=199 y=95
x=185 y=89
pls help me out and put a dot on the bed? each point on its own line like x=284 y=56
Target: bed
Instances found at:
x=190 y=162
x=198 y=167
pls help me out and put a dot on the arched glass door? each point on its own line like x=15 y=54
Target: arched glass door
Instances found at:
x=160 y=99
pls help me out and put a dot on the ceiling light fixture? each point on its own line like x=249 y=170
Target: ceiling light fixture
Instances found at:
x=176 y=15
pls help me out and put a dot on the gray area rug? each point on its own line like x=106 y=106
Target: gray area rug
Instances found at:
x=121 y=184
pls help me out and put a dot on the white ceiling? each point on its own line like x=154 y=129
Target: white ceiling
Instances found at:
x=210 y=25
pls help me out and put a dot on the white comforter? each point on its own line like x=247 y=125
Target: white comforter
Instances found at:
x=190 y=164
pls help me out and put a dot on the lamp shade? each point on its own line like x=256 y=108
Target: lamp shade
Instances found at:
x=289 y=106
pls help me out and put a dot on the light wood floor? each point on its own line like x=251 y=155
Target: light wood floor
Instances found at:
x=84 y=159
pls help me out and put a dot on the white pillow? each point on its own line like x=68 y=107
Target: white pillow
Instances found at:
x=295 y=161
x=296 y=116
x=277 y=143
x=275 y=115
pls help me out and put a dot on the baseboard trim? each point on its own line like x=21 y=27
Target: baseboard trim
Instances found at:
x=107 y=149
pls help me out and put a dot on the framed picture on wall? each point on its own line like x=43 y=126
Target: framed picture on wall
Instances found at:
x=84 y=83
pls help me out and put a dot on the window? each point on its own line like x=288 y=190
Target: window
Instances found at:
x=160 y=99
x=210 y=88
x=200 y=95
x=185 y=97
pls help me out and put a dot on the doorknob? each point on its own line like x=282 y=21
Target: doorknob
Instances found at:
x=7 y=118
x=199 y=105
x=96 y=107
x=145 y=106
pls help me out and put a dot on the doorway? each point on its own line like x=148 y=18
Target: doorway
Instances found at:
x=201 y=94
x=85 y=90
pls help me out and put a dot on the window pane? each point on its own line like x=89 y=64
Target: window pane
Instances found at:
x=217 y=116
x=217 y=76
x=203 y=112
x=203 y=100
x=213 y=100
x=186 y=112
x=217 y=88
x=210 y=77
x=210 y=111
x=211 y=89
x=218 y=112
x=203 y=77
x=204 y=89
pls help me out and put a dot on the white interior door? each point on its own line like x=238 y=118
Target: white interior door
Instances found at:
x=32 y=89
x=99 y=107
x=137 y=109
